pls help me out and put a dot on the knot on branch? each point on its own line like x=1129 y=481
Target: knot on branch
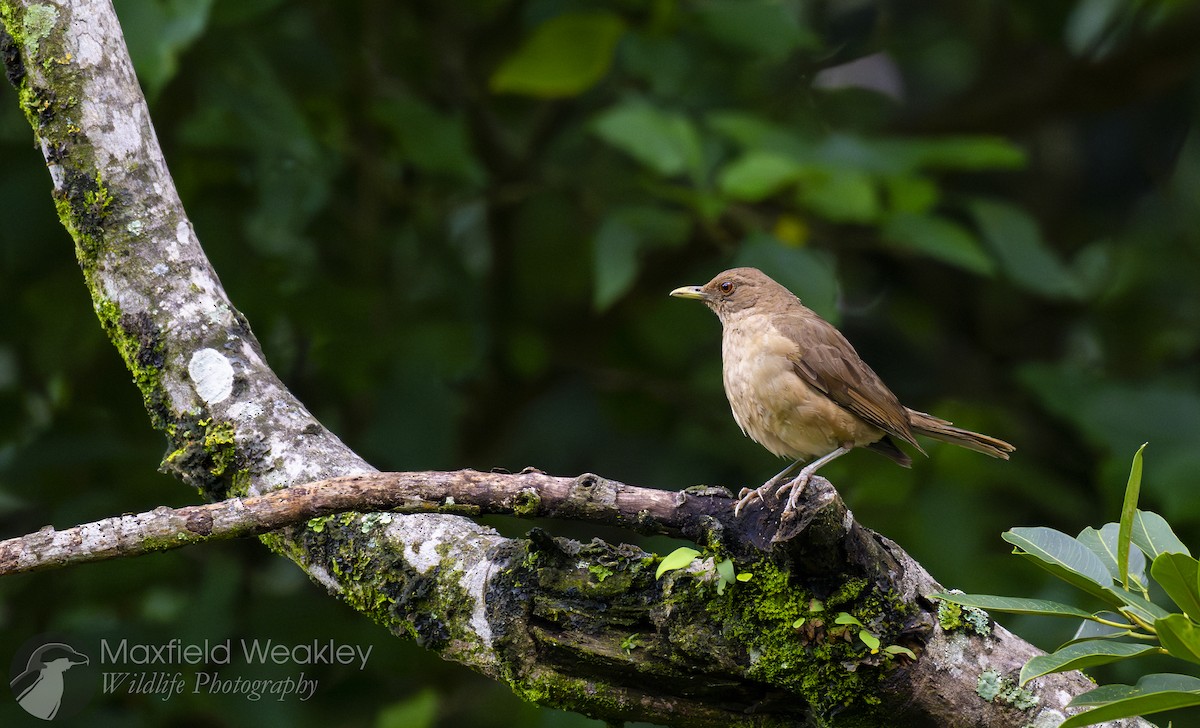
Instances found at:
x=589 y=494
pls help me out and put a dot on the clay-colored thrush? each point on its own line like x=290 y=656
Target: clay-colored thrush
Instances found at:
x=798 y=388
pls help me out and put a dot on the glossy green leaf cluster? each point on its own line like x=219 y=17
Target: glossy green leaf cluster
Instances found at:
x=1109 y=564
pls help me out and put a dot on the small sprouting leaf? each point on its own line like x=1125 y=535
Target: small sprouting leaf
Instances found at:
x=1152 y=694
x=816 y=605
x=1132 y=489
x=870 y=640
x=725 y=571
x=677 y=559
x=1153 y=535
x=799 y=623
x=900 y=650
x=1080 y=655
x=1177 y=575
x=745 y=576
x=1180 y=636
x=846 y=618
x=1014 y=605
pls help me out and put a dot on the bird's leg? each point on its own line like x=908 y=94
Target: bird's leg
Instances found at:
x=747 y=495
x=796 y=485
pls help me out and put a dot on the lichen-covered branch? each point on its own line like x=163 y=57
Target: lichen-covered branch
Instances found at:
x=580 y=627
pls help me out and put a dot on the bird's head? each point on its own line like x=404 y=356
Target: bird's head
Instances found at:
x=734 y=291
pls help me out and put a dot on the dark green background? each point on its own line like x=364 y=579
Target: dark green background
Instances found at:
x=453 y=226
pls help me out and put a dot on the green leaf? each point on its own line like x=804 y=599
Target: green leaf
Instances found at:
x=614 y=261
x=757 y=175
x=763 y=27
x=869 y=640
x=900 y=650
x=564 y=56
x=1153 y=535
x=1014 y=605
x=1103 y=543
x=938 y=238
x=1065 y=557
x=846 y=618
x=965 y=152
x=799 y=623
x=623 y=235
x=159 y=33
x=1146 y=610
x=1177 y=575
x=1080 y=655
x=1014 y=238
x=753 y=132
x=1090 y=630
x=665 y=141
x=677 y=559
x=1180 y=636
x=840 y=194
x=911 y=193
x=430 y=140
x=745 y=576
x=1154 y=682
x=725 y=571
x=1152 y=694
x=1128 y=510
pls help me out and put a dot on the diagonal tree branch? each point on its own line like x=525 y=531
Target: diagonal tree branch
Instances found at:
x=582 y=627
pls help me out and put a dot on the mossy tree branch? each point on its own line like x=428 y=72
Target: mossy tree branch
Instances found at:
x=580 y=627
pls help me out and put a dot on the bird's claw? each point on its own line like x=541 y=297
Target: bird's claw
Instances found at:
x=795 y=485
x=747 y=495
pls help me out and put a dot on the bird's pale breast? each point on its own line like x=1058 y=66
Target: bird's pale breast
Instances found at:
x=772 y=404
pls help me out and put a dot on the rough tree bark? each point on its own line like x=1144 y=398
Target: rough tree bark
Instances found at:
x=584 y=627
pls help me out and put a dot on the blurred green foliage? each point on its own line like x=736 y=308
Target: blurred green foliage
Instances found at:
x=453 y=226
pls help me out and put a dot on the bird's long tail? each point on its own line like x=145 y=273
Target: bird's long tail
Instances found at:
x=940 y=429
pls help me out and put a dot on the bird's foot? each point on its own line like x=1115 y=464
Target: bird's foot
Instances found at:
x=796 y=486
x=793 y=488
x=747 y=495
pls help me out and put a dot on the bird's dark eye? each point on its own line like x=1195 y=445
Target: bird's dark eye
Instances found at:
x=726 y=287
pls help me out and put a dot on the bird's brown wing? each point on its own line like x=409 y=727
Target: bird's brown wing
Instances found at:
x=827 y=361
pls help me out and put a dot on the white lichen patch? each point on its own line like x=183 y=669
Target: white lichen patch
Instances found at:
x=244 y=411
x=212 y=374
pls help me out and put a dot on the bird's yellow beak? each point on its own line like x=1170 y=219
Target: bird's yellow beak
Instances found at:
x=689 y=292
